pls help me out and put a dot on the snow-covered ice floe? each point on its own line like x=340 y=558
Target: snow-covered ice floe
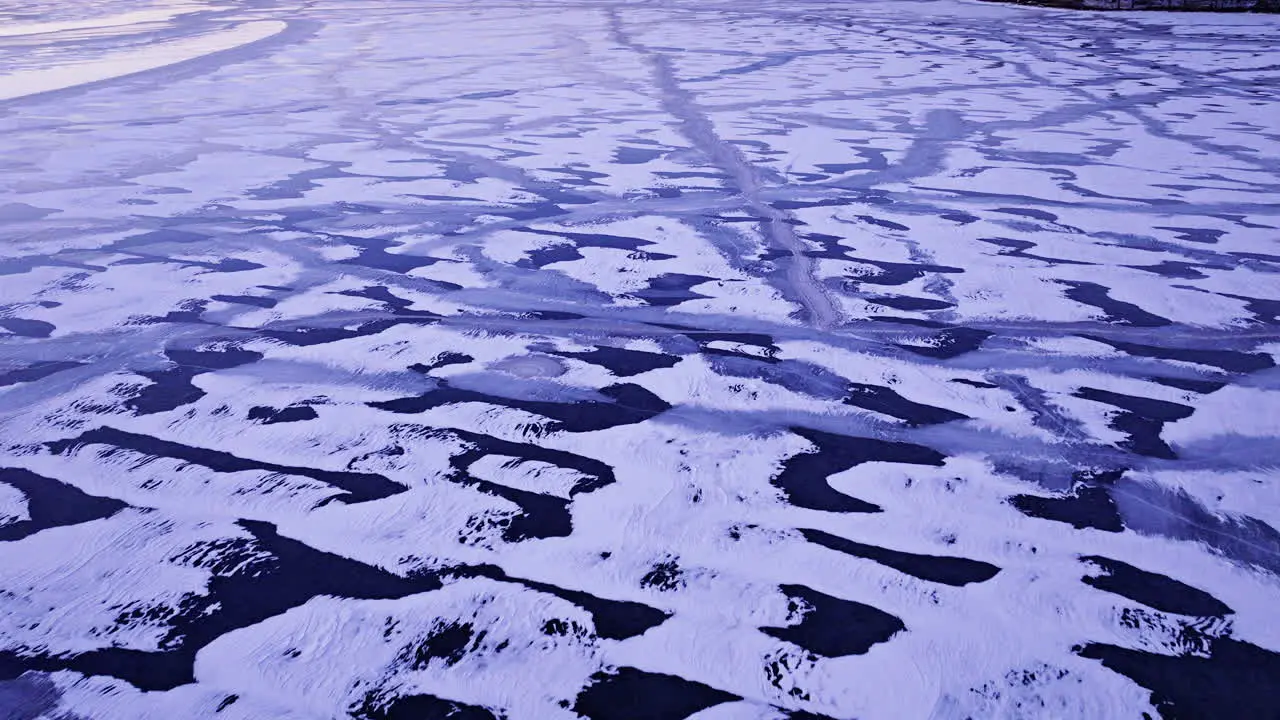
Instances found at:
x=713 y=360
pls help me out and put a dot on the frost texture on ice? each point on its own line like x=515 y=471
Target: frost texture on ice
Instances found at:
x=712 y=360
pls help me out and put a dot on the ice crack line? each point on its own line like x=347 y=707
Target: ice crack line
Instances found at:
x=819 y=309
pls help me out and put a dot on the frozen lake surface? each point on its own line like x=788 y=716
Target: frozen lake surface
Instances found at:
x=728 y=360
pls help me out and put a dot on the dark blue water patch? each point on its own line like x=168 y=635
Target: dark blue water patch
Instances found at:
x=887 y=401
x=444 y=359
x=771 y=254
x=308 y=336
x=376 y=705
x=1162 y=410
x=373 y=254
x=880 y=222
x=543 y=256
x=447 y=199
x=254 y=300
x=775 y=61
x=805 y=204
x=37 y=371
x=1204 y=387
x=613 y=619
x=18 y=266
x=358 y=487
x=974 y=383
x=581 y=176
x=622 y=362
x=52 y=503
x=1115 y=311
x=893 y=273
x=671 y=289
x=189 y=311
x=1154 y=590
x=834 y=627
x=673 y=326
x=961 y=218
x=803 y=478
x=1229 y=360
x=949 y=341
x=271 y=416
x=391 y=302
x=488 y=95
x=627 y=155
x=1019 y=248
x=1142 y=420
x=22 y=212
x=1143 y=435
x=253 y=579
x=842 y=168
x=1263 y=310
x=1236 y=680
x=223 y=265
x=666 y=192
x=27 y=328
x=909 y=303
x=1198 y=235
x=462 y=171
x=1158 y=510
x=955 y=571
x=1084 y=507
x=172 y=388
x=541 y=516
x=166 y=236
x=831 y=248
x=627 y=693
x=169 y=389
x=410 y=101
x=206 y=360
x=1088 y=505
x=1171 y=205
x=616 y=242
x=1032 y=213
x=630 y=404
x=1175 y=269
